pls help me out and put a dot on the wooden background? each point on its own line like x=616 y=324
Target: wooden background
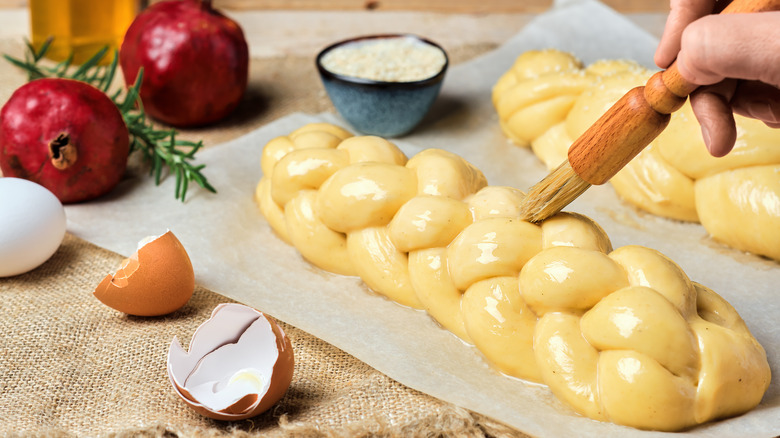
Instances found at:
x=456 y=6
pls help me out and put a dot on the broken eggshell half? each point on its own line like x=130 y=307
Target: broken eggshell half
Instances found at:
x=158 y=279
x=240 y=363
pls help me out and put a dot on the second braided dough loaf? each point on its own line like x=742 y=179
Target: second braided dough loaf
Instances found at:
x=548 y=99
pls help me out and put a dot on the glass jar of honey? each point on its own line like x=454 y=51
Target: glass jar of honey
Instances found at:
x=81 y=27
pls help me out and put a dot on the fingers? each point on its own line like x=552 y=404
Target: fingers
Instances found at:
x=713 y=111
x=759 y=101
x=714 y=106
x=742 y=46
x=681 y=14
x=710 y=48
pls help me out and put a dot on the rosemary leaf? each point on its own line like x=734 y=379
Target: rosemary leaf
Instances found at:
x=105 y=81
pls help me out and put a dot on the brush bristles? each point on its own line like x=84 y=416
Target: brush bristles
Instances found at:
x=553 y=193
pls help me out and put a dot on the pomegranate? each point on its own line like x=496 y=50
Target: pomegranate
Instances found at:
x=195 y=62
x=65 y=135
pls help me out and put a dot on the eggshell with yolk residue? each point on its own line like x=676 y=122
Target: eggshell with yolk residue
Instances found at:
x=158 y=279
x=239 y=364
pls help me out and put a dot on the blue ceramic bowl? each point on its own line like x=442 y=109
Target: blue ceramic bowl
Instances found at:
x=386 y=109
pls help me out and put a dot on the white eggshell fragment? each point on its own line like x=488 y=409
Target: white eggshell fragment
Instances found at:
x=32 y=225
x=240 y=363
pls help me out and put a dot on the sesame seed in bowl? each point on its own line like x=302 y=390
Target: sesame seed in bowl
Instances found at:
x=383 y=84
x=401 y=59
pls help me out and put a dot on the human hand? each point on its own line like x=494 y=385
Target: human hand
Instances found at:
x=735 y=58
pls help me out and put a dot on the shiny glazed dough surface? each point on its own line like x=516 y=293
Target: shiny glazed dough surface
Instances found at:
x=674 y=176
x=619 y=335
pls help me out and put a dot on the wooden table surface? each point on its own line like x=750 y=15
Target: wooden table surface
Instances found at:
x=304 y=27
x=451 y=6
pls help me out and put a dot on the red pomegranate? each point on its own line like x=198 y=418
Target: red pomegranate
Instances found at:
x=195 y=62
x=65 y=135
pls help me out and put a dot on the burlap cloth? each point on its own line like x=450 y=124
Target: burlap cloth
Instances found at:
x=71 y=366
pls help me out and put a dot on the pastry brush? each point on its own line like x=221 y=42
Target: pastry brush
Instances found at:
x=619 y=135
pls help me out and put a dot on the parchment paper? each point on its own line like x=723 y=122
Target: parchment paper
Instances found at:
x=235 y=253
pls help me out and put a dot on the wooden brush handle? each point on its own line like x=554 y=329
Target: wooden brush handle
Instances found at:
x=639 y=116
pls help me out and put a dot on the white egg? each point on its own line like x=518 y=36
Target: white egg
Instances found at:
x=32 y=225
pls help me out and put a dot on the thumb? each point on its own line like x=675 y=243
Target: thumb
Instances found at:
x=742 y=46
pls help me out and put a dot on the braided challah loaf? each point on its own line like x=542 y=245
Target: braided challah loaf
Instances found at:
x=621 y=336
x=736 y=198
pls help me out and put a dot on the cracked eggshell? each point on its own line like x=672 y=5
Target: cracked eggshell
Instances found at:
x=158 y=279
x=240 y=363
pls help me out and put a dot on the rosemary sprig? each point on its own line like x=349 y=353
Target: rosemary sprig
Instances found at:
x=159 y=147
